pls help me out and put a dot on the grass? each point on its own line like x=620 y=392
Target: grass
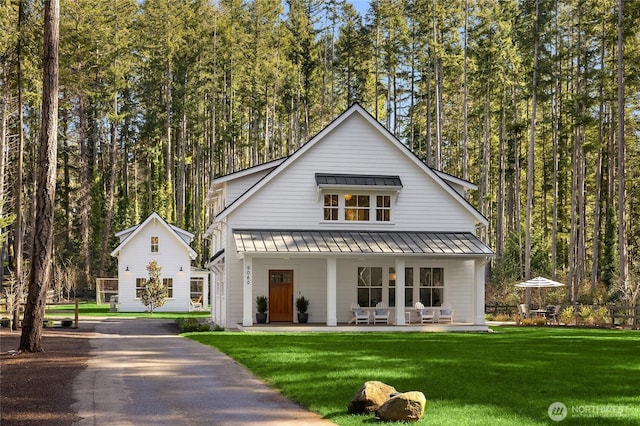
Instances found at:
x=92 y=309
x=507 y=377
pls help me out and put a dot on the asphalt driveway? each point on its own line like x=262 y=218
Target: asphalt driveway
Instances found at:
x=142 y=373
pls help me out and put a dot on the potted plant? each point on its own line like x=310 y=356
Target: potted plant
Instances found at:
x=302 y=304
x=262 y=304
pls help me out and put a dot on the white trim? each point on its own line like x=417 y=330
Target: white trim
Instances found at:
x=155 y=216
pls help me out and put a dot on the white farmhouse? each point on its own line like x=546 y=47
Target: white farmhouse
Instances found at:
x=352 y=217
x=155 y=239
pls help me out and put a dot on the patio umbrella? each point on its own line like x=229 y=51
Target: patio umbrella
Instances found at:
x=539 y=282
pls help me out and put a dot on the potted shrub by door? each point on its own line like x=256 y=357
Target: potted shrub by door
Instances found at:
x=262 y=304
x=302 y=304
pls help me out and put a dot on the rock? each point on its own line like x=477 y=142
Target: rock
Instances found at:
x=408 y=406
x=370 y=397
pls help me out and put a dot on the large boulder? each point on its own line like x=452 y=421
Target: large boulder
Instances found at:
x=408 y=406
x=370 y=397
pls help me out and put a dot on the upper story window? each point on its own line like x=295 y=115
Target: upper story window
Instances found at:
x=383 y=208
x=331 y=207
x=357 y=198
x=154 y=245
x=356 y=207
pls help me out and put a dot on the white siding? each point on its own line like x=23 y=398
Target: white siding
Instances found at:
x=237 y=187
x=310 y=280
x=136 y=255
x=291 y=199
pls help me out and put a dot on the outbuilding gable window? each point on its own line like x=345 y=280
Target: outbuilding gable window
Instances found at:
x=154 y=245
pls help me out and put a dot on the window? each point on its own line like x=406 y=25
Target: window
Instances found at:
x=331 y=207
x=168 y=283
x=154 y=244
x=369 y=286
x=408 y=287
x=196 y=287
x=431 y=286
x=356 y=207
x=392 y=287
x=140 y=282
x=383 y=208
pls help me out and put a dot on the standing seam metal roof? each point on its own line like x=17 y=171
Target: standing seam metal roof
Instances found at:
x=359 y=242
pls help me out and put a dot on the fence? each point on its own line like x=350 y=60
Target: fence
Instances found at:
x=105 y=288
x=627 y=314
x=497 y=309
x=619 y=316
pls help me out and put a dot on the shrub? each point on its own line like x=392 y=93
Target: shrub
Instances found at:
x=503 y=318
x=187 y=325
x=586 y=315
x=538 y=321
x=601 y=316
x=489 y=317
x=568 y=315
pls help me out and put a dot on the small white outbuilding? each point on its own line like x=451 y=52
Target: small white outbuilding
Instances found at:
x=155 y=239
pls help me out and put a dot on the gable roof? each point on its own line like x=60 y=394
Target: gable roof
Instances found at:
x=183 y=237
x=438 y=177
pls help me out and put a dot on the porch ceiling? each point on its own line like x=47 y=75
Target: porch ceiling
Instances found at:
x=255 y=241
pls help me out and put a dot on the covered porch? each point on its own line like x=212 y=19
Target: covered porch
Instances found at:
x=335 y=269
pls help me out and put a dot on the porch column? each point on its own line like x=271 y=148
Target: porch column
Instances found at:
x=479 y=291
x=205 y=290
x=332 y=319
x=247 y=291
x=400 y=318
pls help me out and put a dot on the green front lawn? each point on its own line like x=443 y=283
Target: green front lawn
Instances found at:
x=92 y=309
x=509 y=377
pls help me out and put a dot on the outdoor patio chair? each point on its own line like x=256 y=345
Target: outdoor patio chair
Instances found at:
x=524 y=310
x=381 y=314
x=425 y=315
x=446 y=314
x=552 y=314
x=360 y=316
x=195 y=305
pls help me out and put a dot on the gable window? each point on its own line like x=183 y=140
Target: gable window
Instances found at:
x=431 y=286
x=369 y=286
x=154 y=245
x=356 y=207
x=383 y=208
x=331 y=207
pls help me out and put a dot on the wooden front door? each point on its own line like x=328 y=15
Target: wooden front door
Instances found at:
x=280 y=295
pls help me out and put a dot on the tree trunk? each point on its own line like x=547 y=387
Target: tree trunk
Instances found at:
x=531 y=153
x=622 y=220
x=18 y=233
x=42 y=257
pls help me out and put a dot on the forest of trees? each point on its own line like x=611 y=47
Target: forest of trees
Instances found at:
x=535 y=101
